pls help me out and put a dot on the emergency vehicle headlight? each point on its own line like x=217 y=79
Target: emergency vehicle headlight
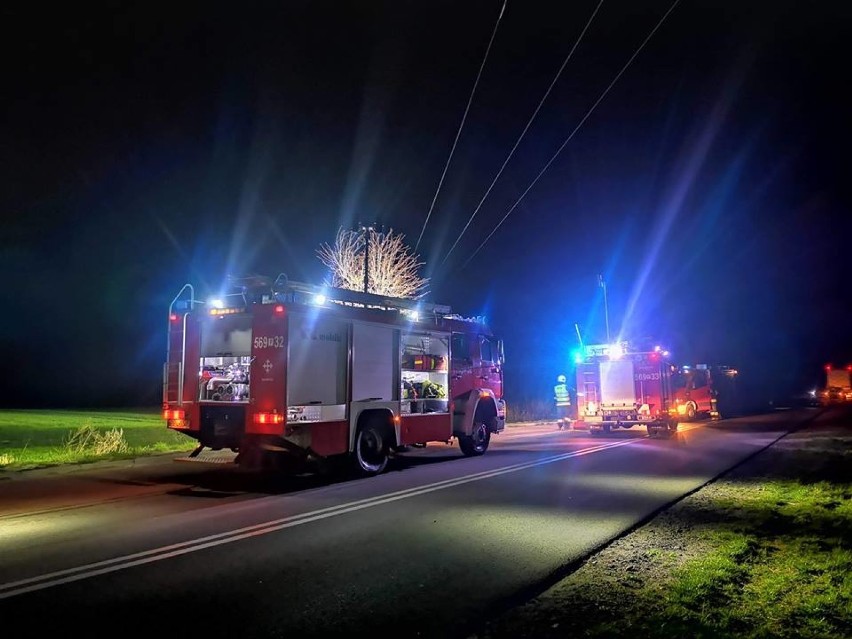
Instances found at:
x=216 y=303
x=268 y=418
x=320 y=299
x=681 y=409
x=616 y=352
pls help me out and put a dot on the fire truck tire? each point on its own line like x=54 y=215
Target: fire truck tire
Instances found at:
x=607 y=428
x=371 y=449
x=690 y=412
x=477 y=442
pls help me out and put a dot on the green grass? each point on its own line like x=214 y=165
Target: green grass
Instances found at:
x=33 y=438
x=779 y=564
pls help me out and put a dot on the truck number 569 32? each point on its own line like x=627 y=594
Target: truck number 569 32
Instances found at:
x=272 y=341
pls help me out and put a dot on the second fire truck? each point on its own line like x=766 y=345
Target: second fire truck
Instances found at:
x=284 y=370
x=620 y=387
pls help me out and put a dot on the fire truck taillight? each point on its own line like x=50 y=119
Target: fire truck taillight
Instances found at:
x=278 y=310
x=268 y=418
x=173 y=317
x=174 y=414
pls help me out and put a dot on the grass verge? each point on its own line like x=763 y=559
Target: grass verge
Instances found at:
x=765 y=552
x=36 y=438
x=778 y=564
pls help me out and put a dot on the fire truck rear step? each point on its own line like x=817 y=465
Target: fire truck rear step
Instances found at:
x=209 y=456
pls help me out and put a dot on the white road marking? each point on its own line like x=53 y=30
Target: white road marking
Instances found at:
x=87 y=571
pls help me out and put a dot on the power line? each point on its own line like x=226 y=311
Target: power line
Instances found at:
x=461 y=126
x=577 y=128
x=524 y=132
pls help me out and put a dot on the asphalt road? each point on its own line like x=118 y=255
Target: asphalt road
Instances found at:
x=431 y=548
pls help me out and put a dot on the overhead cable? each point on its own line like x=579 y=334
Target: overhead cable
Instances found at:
x=577 y=128
x=461 y=126
x=524 y=132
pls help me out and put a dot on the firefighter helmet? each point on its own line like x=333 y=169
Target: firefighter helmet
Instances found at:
x=561 y=379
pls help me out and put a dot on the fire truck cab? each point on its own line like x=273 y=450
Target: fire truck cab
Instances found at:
x=284 y=371
x=618 y=388
x=694 y=392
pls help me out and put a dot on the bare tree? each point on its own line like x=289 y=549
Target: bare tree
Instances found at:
x=393 y=267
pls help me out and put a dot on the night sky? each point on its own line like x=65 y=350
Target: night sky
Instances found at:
x=146 y=146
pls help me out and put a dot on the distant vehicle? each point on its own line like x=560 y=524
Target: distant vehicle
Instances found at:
x=838 y=386
x=284 y=371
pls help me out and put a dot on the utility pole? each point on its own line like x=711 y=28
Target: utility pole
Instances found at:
x=602 y=283
x=367 y=231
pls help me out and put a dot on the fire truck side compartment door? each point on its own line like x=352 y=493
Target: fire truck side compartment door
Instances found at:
x=318 y=352
x=375 y=366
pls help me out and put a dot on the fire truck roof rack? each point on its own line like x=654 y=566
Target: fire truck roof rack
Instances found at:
x=286 y=290
x=477 y=319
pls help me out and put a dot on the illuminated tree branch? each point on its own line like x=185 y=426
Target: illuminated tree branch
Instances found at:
x=393 y=267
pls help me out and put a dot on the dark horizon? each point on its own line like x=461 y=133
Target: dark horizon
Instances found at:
x=150 y=146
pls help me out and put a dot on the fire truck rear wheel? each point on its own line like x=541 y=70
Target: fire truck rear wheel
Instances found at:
x=690 y=412
x=477 y=442
x=371 y=449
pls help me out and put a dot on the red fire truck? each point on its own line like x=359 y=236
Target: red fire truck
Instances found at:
x=620 y=387
x=284 y=370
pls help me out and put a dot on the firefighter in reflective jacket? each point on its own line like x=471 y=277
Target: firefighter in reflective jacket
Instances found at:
x=563 y=403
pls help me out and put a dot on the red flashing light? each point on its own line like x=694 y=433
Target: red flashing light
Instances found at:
x=268 y=418
x=654 y=357
x=173 y=317
x=279 y=309
x=828 y=367
x=849 y=368
x=174 y=414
